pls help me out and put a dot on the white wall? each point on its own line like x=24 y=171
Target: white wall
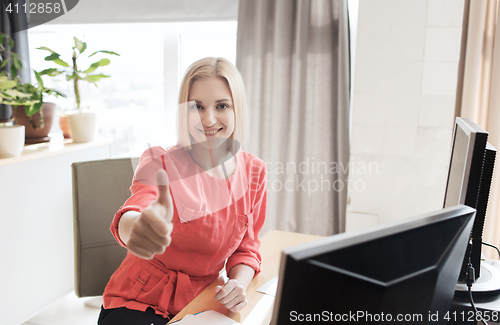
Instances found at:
x=407 y=55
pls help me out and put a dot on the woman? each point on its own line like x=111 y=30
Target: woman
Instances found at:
x=181 y=230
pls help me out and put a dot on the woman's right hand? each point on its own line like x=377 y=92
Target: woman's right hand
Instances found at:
x=150 y=233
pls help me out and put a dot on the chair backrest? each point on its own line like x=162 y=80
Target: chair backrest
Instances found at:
x=100 y=188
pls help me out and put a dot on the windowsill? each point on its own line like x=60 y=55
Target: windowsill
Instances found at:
x=56 y=146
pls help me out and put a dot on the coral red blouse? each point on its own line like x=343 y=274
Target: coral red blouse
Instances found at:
x=216 y=222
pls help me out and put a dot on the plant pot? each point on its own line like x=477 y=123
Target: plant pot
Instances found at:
x=64 y=125
x=11 y=141
x=83 y=126
x=38 y=134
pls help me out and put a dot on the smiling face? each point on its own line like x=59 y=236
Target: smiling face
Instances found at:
x=210 y=111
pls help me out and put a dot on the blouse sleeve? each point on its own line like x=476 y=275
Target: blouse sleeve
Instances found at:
x=143 y=189
x=248 y=251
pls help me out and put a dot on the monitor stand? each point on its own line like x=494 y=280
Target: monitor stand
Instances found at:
x=487 y=285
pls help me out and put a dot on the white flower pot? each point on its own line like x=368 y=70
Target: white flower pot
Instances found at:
x=83 y=126
x=11 y=141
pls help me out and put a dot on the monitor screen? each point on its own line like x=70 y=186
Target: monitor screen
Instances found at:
x=458 y=173
x=467 y=155
x=469 y=179
x=399 y=272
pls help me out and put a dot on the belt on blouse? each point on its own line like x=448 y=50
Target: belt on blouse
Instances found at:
x=179 y=288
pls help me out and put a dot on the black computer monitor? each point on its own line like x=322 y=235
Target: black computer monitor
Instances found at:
x=469 y=180
x=405 y=269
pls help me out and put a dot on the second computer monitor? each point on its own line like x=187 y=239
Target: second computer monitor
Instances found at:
x=403 y=272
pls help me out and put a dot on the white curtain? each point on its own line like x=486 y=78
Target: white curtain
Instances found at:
x=480 y=100
x=294 y=59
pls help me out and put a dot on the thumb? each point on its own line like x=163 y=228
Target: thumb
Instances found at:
x=163 y=188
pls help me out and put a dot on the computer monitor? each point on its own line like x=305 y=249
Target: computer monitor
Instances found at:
x=399 y=272
x=469 y=180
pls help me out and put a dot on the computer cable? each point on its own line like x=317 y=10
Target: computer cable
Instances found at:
x=491 y=245
x=470 y=279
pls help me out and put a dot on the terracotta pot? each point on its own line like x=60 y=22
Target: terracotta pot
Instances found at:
x=38 y=134
x=64 y=124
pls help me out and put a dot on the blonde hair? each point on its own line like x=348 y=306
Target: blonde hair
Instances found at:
x=208 y=68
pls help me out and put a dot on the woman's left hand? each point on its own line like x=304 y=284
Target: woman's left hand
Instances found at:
x=232 y=295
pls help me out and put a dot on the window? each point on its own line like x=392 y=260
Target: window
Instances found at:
x=137 y=105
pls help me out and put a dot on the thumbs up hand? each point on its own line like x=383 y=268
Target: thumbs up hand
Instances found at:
x=150 y=233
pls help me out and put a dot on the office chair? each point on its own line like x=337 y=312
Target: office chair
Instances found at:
x=100 y=188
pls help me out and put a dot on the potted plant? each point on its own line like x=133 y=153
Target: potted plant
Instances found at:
x=32 y=112
x=11 y=136
x=83 y=123
x=26 y=98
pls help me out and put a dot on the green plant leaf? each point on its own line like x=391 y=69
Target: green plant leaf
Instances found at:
x=16 y=61
x=52 y=57
x=14 y=103
x=95 y=77
x=107 y=52
x=16 y=93
x=79 y=45
x=61 y=63
x=7 y=84
x=46 y=49
x=39 y=78
x=33 y=107
x=55 y=58
x=51 y=72
x=95 y=65
x=15 y=66
x=25 y=102
x=13 y=71
x=54 y=92
x=4 y=63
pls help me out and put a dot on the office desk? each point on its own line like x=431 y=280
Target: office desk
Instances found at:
x=463 y=313
x=260 y=306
